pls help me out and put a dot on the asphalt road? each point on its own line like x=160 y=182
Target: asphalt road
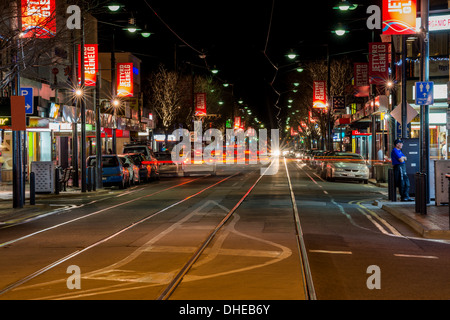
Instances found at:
x=130 y=244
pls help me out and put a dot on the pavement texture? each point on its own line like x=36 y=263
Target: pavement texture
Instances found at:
x=434 y=225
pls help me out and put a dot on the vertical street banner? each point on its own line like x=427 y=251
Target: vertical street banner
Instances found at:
x=319 y=94
x=237 y=122
x=399 y=17
x=378 y=62
x=18 y=118
x=361 y=74
x=200 y=104
x=38 y=19
x=90 y=64
x=339 y=104
x=125 y=80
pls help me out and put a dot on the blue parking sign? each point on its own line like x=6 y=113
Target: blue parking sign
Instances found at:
x=424 y=93
x=28 y=94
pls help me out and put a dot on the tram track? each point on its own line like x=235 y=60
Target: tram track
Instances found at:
x=162 y=289
x=67 y=257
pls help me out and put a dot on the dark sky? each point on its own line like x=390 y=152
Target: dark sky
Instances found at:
x=233 y=34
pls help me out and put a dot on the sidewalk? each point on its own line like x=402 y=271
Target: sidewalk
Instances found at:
x=434 y=225
x=10 y=215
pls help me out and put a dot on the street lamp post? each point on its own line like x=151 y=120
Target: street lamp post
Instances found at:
x=82 y=102
x=424 y=109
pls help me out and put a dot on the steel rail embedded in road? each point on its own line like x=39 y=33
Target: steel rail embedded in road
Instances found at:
x=306 y=270
x=111 y=236
x=171 y=287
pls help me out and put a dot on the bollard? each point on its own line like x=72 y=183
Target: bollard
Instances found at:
x=423 y=185
x=448 y=177
x=94 y=178
x=89 y=178
x=420 y=201
x=418 y=197
x=57 y=180
x=32 y=189
x=392 y=193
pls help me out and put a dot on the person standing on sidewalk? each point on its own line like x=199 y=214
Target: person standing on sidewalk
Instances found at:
x=400 y=176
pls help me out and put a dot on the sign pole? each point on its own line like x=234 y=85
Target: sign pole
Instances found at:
x=424 y=109
x=403 y=89
x=83 y=111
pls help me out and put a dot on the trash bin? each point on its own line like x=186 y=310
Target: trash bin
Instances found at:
x=44 y=172
x=381 y=172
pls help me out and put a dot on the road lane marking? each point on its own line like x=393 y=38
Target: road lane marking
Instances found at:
x=331 y=251
x=376 y=216
x=414 y=256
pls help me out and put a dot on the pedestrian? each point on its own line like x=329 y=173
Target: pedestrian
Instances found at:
x=400 y=176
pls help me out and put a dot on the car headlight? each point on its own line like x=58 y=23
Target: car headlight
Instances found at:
x=338 y=169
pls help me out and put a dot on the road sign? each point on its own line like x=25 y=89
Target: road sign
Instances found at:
x=28 y=94
x=424 y=93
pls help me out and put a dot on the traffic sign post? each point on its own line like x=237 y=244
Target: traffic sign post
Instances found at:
x=424 y=93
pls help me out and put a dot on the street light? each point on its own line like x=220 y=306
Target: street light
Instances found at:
x=114 y=6
x=340 y=30
x=132 y=27
x=345 y=5
x=291 y=55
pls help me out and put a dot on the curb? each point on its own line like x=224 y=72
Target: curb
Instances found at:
x=417 y=226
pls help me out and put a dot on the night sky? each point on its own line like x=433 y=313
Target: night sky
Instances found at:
x=236 y=39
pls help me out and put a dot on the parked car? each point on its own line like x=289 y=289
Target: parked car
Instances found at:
x=132 y=167
x=166 y=165
x=149 y=157
x=114 y=173
x=145 y=169
x=348 y=166
x=321 y=162
x=313 y=158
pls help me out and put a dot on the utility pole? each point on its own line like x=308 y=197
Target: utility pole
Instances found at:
x=424 y=110
x=403 y=90
x=75 y=176
x=18 y=181
x=83 y=112
x=114 y=92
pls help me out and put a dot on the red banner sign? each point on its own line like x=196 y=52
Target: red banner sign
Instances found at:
x=361 y=74
x=90 y=64
x=200 y=104
x=399 y=16
x=125 y=80
x=237 y=122
x=319 y=94
x=378 y=62
x=38 y=19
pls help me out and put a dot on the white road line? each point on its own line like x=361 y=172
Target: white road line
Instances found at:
x=331 y=251
x=414 y=256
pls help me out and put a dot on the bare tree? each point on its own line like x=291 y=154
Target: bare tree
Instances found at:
x=165 y=96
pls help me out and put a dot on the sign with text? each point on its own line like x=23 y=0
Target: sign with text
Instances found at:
x=378 y=62
x=435 y=23
x=424 y=93
x=361 y=74
x=200 y=104
x=319 y=94
x=90 y=64
x=38 y=19
x=125 y=80
x=29 y=99
x=399 y=17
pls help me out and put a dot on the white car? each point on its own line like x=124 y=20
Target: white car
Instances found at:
x=348 y=166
